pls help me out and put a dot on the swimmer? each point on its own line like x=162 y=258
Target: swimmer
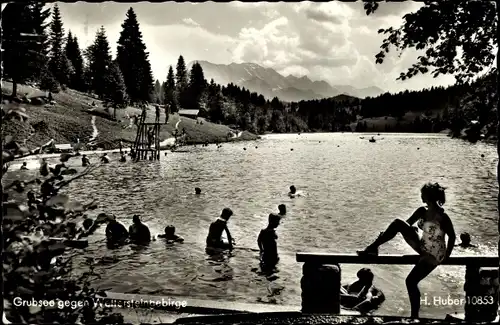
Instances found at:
x=170 y=235
x=123 y=158
x=282 y=210
x=361 y=295
x=24 y=166
x=267 y=242
x=293 y=192
x=138 y=231
x=44 y=167
x=104 y=158
x=465 y=238
x=115 y=231
x=85 y=161
x=214 y=238
x=197 y=190
x=432 y=247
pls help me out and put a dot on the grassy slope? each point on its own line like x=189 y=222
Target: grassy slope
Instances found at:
x=70 y=120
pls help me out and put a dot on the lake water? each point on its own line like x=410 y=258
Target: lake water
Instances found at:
x=353 y=189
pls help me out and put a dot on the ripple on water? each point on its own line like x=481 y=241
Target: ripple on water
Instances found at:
x=354 y=191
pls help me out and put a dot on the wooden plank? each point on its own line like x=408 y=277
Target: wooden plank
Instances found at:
x=334 y=258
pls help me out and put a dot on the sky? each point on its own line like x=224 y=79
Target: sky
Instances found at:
x=332 y=41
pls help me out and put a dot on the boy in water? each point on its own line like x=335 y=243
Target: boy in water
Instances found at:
x=24 y=166
x=293 y=191
x=267 y=242
x=214 y=238
x=115 y=231
x=104 y=158
x=138 y=231
x=197 y=190
x=361 y=295
x=85 y=161
x=282 y=210
x=465 y=238
x=170 y=235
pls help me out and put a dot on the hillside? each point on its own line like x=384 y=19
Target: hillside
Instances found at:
x=269 y=83
x=70 y=120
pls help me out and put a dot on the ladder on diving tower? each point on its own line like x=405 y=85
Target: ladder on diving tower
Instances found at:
x=147 y=140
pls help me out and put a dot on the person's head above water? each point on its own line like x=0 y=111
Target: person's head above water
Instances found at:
x=226 y=214
x=197 y=190
x=25 y=163
x=465 y=238
x=136 y=219
x=433 y=194
x=169 y=230
x=274 y=220
x=365 y=275
x=282 y=209
x=87 y=223
x=293 y=189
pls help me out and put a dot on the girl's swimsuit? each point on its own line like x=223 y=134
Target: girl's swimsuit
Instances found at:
x=433 y=240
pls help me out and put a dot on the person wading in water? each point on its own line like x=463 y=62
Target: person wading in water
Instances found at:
x=432 y=247
x=214 y=238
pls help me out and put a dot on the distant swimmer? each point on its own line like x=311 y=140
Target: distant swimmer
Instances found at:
x=85 y=161
x=170 y=235
x=197 y=190
x=214 y=238
x=282 y=210
x=115 y=231
x=293 y=192
x=24 y=166
x=267 y=242
x=138 y=231
x=466 y=241
x=44 y=167
x=123 y=158
x=105 y=158
x=361 y=295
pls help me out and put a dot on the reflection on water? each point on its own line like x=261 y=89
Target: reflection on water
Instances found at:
x=354 y=189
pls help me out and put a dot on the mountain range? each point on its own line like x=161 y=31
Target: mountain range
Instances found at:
x=270 y=83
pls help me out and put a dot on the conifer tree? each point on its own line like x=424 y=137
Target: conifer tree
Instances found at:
x=181 y=84
x=99 y=58
x=74 y=55
x=133 y=60
x=22 y=44
x=197 y=85
x=169 y=91
x=58 y=62
x=115 y=92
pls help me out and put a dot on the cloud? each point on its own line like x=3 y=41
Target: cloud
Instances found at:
x=190 y=22
x=333 y=41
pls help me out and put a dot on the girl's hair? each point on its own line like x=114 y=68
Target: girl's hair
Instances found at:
x=434 y=193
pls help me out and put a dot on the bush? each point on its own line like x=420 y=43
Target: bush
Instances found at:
x=36 y=266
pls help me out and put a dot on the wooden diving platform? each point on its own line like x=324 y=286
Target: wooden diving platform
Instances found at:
x=392 y=259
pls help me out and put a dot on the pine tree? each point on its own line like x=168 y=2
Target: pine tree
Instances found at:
x=22 y=45
x=74 y=56
x=58 y=62
x=181 y=74
x=197 y=85
x=40 y=16
x=133 y=60
x=115 y=92
x=99 y=58
x=169 y=92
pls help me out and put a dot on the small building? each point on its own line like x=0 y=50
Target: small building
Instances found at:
x=189 y=113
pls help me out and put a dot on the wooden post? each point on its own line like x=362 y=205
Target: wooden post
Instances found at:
x=481 y=294
x=498 y=117
x=320 y=288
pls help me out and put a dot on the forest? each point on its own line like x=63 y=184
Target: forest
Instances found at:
x=38 y=51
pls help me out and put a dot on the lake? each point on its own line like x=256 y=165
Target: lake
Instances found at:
x=352 y=190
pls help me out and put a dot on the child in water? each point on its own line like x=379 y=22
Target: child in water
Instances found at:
x=361 y=295
x=85 y=161
x=170 y=235
x=24 y=166
x=282 y=210
x=267 y=242
x=465 y=238
x=214 y=238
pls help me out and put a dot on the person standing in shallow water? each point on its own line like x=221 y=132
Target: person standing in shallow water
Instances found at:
x=214 y=238
x=465 y=241
x=282 y=210
x=431 y=247
x=139 y=232
x=267 y=242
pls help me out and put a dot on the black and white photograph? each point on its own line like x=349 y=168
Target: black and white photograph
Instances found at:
x=249 y=162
